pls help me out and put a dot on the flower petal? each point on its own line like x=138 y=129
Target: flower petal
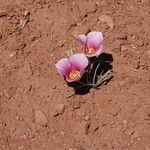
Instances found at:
x=79 y=61
x=94 y=39
x=81 y=38
x=63 y=66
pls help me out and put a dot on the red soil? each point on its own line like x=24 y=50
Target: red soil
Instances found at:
x=34 y=110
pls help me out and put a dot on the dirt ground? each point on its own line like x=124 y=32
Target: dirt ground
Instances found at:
x=35 y=113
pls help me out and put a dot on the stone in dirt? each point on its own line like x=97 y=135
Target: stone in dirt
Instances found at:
x=59 y=110
x=120 y=36
x=77 y=106
x=107 y=21
x=27 y=89
x=26 y=72
x=3 y=13
x=21 y=147
x=12 y=54
x=20 y=130
x=86 y=118
x=84 y=127
x=87 y=126
x=124 y=48
x=40 y=118
x=135 y=64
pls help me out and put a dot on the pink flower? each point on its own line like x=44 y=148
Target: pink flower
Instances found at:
x=93 y=43
x=73 y=67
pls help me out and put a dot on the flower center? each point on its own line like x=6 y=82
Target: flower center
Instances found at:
x=89 y=51
x=74 y=74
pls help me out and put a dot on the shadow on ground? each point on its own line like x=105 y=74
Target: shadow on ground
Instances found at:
x=105 y=64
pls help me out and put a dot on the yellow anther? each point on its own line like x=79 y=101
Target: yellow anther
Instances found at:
x=89 y=51
x=73 y=74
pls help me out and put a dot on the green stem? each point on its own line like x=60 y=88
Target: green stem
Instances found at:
x=102 y=78
x=81 y=82
x=71 y=51
x=95 y=73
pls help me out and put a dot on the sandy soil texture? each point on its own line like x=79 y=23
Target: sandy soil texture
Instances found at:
x=35 y=113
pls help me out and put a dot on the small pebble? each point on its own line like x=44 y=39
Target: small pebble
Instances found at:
x=77 y=106
x=135 y=64
x=120 y=36
x=3 y=13
x=54 y=86
x=124 y=122
x=12 y=54
x=86 y=118
x=59 y=110
x=87 y=126
x=20 y=148
x=71 y=23
x=28 y=89
x=124 y=48
x=40 y=118
x=26 y=72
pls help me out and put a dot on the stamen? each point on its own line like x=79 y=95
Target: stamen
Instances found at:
x=89 y=51
x=74 y=74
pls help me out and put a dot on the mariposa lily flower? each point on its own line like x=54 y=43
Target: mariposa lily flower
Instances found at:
x=72 y=68
x=93 y=43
